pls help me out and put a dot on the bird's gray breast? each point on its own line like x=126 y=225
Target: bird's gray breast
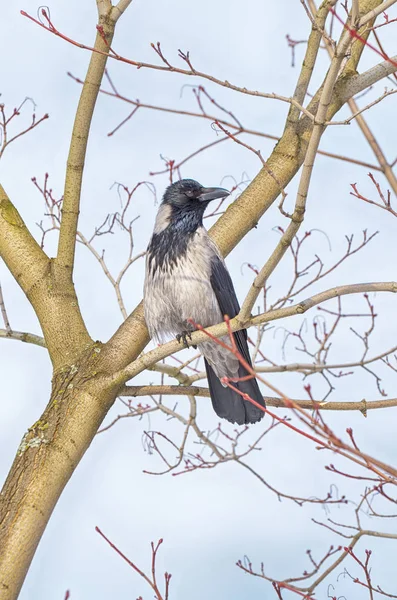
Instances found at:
x=181 y=290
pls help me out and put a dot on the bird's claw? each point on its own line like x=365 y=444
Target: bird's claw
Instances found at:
x=182 y=338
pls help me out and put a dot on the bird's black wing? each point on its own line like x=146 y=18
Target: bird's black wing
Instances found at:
x=228 y=403
x=222 y=285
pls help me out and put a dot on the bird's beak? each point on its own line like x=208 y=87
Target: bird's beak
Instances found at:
x=212 y=193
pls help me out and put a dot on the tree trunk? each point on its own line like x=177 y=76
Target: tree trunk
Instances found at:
x=46 y=458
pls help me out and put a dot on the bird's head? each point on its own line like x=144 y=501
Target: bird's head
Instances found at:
x=191 y=195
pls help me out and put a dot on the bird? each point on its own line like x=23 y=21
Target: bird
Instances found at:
x=186 y=278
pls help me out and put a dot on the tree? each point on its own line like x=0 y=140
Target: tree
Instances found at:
x=88 y=376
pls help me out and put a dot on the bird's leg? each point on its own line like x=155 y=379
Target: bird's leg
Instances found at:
x=183 y=336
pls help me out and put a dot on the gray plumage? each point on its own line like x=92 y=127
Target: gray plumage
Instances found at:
x=186 y=278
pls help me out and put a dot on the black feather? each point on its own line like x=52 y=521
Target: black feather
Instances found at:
x=171 y=244
x=227 y=403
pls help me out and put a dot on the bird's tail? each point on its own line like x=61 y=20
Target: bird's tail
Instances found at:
x=228 y=404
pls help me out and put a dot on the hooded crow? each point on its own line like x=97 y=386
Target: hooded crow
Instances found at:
x=186 y=278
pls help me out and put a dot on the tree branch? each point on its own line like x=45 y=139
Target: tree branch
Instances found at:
x=120 y=7
x=78 y=143
x=153 y=356
x=304 y=182
x=358 y=83
x=4 y=314
x=37 y=275
x=363 y=125
x=108 y=52
x=29 y=338
x=372 y=14
x=138 y=104
x=136 y=391
x=103 y=7
x=23 y=256
x=310 y=58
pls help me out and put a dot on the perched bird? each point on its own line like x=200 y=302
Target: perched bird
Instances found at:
x=186 y=278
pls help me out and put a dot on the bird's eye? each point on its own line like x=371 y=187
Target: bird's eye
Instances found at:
x=189 y=193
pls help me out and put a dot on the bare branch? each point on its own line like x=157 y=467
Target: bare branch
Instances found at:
x=372 y=14
x=5 y=138
x=4 y=313
x=357 y=83
x=20 y=251
x=235 y=324
x=29 y=338
x=240 y=128
x=151 y=581
x=310 y=59
x=369 y=136
x=119 y=8
x=108 y=52
x=355 y=12
x=358 y=112
x=78 y=144
x=103 y=7
x=136 y=391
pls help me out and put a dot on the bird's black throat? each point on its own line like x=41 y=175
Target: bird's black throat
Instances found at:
x=171 y=244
